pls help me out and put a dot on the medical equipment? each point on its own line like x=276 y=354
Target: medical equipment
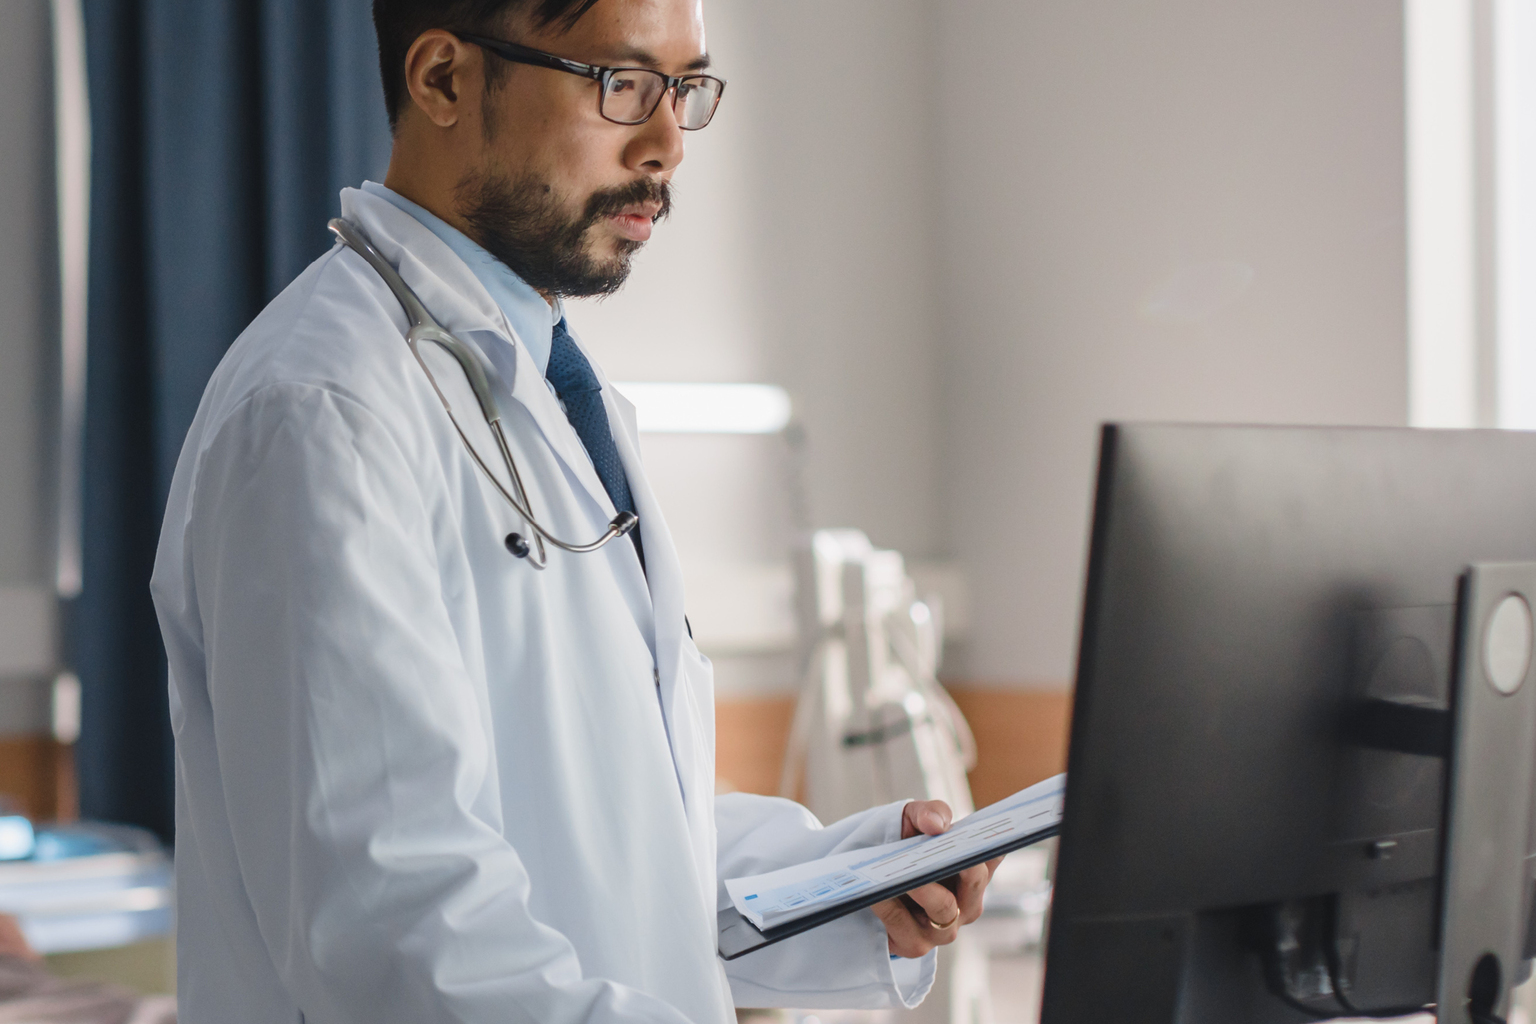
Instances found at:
x=873 y=723
x=480 y=374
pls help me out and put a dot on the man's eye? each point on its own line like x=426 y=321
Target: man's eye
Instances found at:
x=619 y=85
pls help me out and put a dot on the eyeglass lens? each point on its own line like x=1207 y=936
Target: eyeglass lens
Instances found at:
x=633 y=93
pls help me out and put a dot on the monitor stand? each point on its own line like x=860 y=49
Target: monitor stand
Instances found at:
x=1488 y=794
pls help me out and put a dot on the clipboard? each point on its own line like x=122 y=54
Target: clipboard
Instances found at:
x=739 y=936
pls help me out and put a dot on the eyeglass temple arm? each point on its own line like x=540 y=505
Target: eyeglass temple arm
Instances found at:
x=538 y=58
x=524 y=55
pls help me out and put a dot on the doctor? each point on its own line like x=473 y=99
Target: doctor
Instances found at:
x=418 y=777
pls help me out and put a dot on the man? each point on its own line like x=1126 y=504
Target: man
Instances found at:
x=420 y=778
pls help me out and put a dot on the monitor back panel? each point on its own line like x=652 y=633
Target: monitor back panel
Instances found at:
x=1249 y=589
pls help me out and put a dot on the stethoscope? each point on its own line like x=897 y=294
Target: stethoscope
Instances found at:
x=480 y=375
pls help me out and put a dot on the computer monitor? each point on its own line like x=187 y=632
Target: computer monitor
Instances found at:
x=1262 y=727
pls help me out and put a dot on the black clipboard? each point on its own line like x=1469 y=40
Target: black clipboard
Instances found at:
x=738 y=936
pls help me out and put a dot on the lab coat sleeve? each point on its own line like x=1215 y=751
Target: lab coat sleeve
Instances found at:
x=841 y=965
x=352 y=744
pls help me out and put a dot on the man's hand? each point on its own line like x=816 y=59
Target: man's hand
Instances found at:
x=932 y=915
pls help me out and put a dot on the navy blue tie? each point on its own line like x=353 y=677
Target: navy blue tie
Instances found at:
x=582 y=394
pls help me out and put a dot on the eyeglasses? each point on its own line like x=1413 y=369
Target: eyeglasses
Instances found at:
x=628 y=95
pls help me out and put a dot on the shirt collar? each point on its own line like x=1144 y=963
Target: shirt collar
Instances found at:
x=532 y=318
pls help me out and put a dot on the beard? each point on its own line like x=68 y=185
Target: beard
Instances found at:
x=524 y=224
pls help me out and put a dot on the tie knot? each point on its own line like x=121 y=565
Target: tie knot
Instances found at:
x=569 y=371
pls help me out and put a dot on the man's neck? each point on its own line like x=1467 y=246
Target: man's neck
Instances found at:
x=429 y=195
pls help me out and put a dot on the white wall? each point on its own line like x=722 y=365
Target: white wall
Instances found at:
x=694 y=311
x=28 y=366
x=801 y=254
x=28 y=294
x=963 y=233
x=1181 y=210
x=1472 y=212
x=1514 y=176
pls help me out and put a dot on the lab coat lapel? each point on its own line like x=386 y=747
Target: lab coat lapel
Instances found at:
x=445 y=285
x=689 y=709
x=531 y=392
x=456 y=298
x=664 y=573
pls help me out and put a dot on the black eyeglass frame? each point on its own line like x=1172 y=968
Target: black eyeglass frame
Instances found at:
x=519 y=54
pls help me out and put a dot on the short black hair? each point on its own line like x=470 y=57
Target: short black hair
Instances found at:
x=399 y=23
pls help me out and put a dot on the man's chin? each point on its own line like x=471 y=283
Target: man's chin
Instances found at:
x=614 y=260
x=598 y=278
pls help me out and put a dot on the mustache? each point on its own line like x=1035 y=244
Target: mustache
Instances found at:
x=610 y=201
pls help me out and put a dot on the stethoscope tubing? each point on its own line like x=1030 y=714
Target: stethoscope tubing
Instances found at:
x=423 y=327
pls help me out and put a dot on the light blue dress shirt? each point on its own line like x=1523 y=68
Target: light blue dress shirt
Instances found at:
x=532 y=317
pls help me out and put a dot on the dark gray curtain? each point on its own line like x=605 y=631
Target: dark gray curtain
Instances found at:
x=222 y=131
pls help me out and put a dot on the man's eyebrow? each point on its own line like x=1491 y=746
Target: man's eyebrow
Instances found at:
x=633 y=55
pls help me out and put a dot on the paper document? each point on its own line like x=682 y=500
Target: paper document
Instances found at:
x=789 y=894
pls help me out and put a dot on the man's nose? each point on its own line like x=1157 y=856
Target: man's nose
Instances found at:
x=657 y=147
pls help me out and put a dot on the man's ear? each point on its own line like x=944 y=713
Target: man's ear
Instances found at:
x=440 y=71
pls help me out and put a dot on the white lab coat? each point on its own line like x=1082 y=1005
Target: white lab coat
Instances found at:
x=418 y=780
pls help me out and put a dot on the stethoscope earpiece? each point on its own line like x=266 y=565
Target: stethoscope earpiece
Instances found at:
x=518 y=546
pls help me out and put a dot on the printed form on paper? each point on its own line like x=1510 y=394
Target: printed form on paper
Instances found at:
x=788 y=894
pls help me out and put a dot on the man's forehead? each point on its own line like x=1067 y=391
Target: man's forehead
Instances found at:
x=650 y=33
x=631 y=54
